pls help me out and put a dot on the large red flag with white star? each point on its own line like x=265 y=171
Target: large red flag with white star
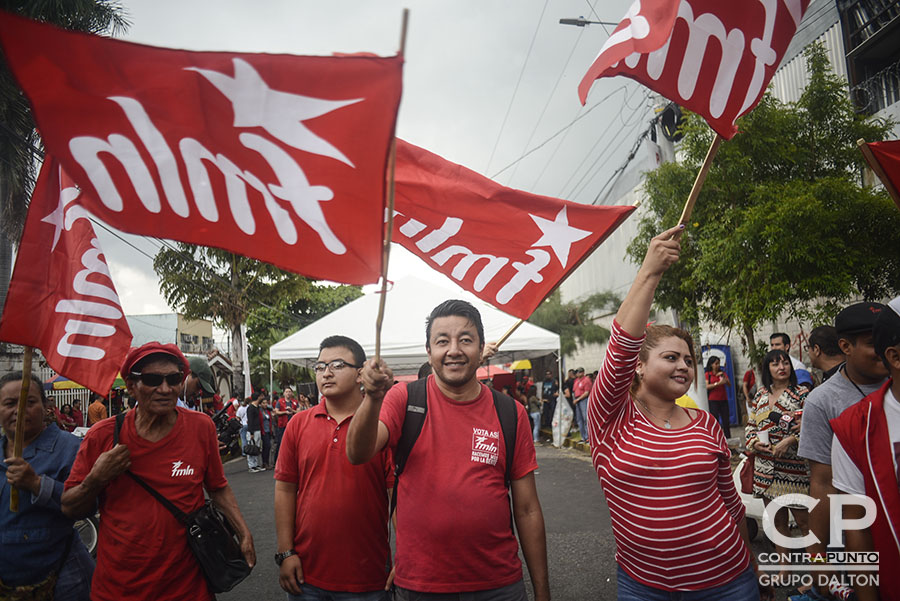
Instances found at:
x=276 y=157
x=510 y=248
x=61 y=297
x=711 y=56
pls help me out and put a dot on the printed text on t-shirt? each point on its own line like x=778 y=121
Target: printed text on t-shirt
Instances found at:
x=485 y=446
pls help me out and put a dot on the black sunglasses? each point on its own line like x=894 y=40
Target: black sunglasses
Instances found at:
x=153 y=380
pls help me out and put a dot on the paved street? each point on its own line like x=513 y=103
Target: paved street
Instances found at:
x=580 y=545
x=579 y=538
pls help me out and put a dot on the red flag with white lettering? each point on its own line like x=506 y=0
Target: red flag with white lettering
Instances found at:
x=887 y=154
x=276 y=157
x=61 y=298
x=713 y=57
x=510 y=248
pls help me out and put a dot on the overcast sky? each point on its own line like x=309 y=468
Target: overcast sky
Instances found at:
x=484 y=82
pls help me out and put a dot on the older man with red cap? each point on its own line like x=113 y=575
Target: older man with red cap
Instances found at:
x=143 y=551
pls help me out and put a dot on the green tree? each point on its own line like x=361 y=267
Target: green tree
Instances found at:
x=208 y=283
x=783 y=225
x=18 y=137
x=268 y=325
x=574 y=321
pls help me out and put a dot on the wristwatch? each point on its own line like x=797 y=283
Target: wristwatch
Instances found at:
x=280 y=557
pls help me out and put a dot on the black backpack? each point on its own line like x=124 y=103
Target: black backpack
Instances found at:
x=417 y=408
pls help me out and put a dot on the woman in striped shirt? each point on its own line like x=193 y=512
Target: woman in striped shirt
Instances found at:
x=665 y=470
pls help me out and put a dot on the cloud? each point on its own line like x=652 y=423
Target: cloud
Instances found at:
x=138 y=290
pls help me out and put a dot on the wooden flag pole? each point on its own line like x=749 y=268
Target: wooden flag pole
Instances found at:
x=698 y=182
x=20 y=421
x=879 y=171
x=685 y=214
x=392 y=161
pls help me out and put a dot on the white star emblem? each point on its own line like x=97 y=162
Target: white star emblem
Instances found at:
x=57 y=217
x=281 y=114
x=558 y=235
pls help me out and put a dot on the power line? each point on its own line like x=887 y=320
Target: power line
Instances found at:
x=564 y=128
x=516 y=89
x=549 y=99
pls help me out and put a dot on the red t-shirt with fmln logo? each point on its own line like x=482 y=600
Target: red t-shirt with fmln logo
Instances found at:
x=453 y=512
x=143 y=551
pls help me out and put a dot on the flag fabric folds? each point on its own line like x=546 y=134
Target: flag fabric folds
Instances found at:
x=508 y=247
x=713 y=57
x=61 y=298
x=276 y=157
x=887 y=154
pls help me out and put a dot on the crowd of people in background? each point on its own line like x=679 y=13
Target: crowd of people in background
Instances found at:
x=805 y=434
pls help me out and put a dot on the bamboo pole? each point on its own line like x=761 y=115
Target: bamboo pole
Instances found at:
x=879 y=171
x=698 y=182
x=20 y=421
x=392 y=162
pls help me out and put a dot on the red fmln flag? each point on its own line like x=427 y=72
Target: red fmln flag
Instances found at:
x=276 y=157
x=508 y=247
x=713 y=57
x=61 y=298
x=887 y=155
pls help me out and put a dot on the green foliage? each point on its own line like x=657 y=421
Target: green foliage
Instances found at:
x=266 y=326
x=18 y=137
x=782 y=225
x=209 y=283
x=574 y=321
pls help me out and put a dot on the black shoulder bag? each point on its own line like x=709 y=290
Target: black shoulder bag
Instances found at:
x=210 y=537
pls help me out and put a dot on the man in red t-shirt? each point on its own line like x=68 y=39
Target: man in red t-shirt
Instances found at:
x=453 y=514
x=581 y=389
x=142 y=552
x=283 y=410
x=321 y=498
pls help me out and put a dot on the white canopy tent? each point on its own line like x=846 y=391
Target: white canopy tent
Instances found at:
x=403 y=334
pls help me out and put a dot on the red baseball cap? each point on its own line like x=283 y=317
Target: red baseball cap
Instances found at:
x=155 y=348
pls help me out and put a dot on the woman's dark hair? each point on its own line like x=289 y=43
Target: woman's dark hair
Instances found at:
x=771 y=357
x=64 y=407
x=16 y=376
x=709 y=362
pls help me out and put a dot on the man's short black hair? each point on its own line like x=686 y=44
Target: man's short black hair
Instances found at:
x=455 y=308
x=424 y=371
x=785 y=339
x=359 y=355
x=826 y=338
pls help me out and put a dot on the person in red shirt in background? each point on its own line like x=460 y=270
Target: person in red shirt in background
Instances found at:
x=321 y=498
x=580 y=391
x=143 y=553
x=717 y=393
x=283 y=411
x=78 y=416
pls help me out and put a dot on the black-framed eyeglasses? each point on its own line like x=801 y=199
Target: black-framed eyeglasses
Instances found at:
x=153 y=380
x=336 y=365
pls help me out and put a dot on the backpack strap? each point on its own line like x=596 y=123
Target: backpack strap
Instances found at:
x=416 y=409
x=505 y=407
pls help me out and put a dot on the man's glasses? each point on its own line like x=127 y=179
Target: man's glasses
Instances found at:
x=336 y=365
x=153 y=380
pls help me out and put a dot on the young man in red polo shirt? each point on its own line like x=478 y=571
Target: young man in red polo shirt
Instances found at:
x=331 y=517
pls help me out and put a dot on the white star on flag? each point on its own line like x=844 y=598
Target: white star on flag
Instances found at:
x=558 y=235
x=57 y=217
x=280 y=113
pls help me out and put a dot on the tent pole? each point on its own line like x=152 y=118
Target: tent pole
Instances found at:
x=271 y=372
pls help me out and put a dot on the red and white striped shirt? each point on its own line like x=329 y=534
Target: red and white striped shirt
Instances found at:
x=674 y=508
